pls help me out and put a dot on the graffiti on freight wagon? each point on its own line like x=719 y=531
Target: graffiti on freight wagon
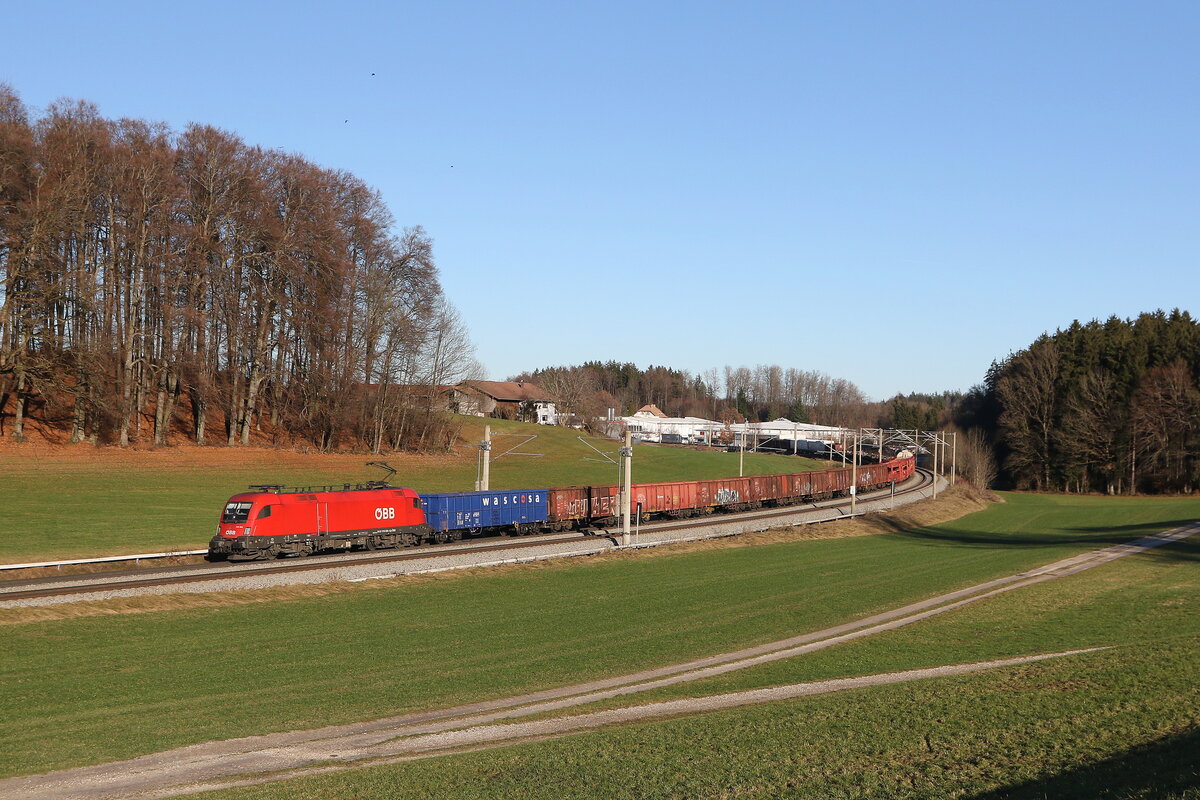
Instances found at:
x=728 y=496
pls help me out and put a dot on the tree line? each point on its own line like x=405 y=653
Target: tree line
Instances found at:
x=1109 y=406
x=735 y=394
x=761 y=393
x=154 y=281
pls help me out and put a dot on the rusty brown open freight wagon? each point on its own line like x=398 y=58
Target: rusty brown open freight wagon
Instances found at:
x=599 y=504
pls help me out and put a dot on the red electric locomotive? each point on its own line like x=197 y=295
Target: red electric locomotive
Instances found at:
x=270 y=522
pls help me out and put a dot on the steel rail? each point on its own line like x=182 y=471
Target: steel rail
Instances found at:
x=103 y=559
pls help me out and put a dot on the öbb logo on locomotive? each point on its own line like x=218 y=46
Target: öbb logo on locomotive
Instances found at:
x=268 y=521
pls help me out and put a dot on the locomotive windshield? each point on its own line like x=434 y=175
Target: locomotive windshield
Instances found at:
x=236 y=513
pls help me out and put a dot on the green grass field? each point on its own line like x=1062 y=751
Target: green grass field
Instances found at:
x=81 y=501
x=1108 y=726
x=1112 y=725
x=102 y=688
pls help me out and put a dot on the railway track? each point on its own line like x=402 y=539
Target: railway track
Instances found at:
x=96 y=583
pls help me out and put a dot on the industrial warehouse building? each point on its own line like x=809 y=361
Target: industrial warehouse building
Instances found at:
x=650 y=424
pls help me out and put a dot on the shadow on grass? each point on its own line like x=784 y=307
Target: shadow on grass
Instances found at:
x=1167 y=767
x=1098 y=537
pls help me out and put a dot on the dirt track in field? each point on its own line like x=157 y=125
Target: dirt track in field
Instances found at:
x=262 y=759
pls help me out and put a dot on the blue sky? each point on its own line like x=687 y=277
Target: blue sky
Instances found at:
x=892 y=193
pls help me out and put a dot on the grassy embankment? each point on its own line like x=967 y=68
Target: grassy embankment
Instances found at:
x=80 y=501
x=175 y=678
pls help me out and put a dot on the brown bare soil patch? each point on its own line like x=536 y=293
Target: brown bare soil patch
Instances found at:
x=48 y=425
x=954 y=503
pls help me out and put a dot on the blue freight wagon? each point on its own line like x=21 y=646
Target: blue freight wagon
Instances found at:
x=475 y=510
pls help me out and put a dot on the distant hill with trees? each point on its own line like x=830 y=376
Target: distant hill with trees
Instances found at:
x=759 y=393
x=156 y=283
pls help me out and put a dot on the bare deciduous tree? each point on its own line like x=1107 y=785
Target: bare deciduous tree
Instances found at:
x=138 y=267
x=1027 y=393
x=1166 y=421
x=976 y=462
x=1092 y=422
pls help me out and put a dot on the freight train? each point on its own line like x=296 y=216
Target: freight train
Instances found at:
x=267 y=521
